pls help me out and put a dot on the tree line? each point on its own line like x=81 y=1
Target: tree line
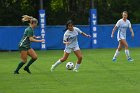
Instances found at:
x=59 y=11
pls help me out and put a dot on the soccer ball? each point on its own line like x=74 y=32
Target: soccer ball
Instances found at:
x=69 y=65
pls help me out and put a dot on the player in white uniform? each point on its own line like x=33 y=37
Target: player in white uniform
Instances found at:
x=71 y=44
x=122 y=26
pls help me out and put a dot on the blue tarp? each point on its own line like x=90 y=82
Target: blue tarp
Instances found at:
x=10 y=37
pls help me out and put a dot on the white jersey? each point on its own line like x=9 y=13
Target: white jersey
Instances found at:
x=122 y=28
x=71 y=36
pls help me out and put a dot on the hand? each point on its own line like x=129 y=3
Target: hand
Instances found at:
x=66 y=43
x=112 y=35
x=88 y=36
x=132 y=34
x=42 y=40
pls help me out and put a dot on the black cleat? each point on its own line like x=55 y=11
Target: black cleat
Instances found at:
x=16 y=72
x=27 y=69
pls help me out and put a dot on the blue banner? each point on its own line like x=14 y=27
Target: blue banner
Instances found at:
x=42 y=19
x=10 y=37
x=93 y=27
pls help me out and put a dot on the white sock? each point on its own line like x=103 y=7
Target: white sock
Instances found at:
x=77 y=66
x=57 y=63
x=116 y=54
x=127 y=53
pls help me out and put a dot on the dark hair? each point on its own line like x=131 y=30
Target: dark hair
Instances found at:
x=68 y=22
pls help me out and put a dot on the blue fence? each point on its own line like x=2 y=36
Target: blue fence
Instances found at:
x=10 y=37
x=105 y=40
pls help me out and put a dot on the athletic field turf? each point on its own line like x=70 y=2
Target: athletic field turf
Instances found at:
x=97 y=74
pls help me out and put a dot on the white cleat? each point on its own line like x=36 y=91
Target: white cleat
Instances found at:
x=130 y=59
x=75 y=70
x=52 y=68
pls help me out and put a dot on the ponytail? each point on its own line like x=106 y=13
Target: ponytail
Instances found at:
x=29 y=19
x=26 y=18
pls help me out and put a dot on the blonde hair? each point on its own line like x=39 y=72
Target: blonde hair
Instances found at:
x=29 y=19
x=125 y=12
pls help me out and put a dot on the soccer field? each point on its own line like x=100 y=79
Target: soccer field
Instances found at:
x=97 y=74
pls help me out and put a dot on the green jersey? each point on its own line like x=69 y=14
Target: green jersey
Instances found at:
x=25 y=42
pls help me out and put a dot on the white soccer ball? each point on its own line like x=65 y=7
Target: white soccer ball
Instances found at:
x=69 y=65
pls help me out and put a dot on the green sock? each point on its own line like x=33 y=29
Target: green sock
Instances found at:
x=19 y=66
x=30 y=62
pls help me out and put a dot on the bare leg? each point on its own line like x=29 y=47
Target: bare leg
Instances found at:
x=117 y=51
x=79 y=56
x=123 y=41
x=33 y=56
x=23 y=56
x=64 y=58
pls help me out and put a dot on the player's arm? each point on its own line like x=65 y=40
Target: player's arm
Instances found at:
x=113 y=31
x=84 y=34
x=65 y=39
x=81 y=32
x=36 y=37
x=66 y=42
x=32 y=39
x=132 y=32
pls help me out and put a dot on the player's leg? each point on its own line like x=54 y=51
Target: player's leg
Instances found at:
x=123 y=41
x=23 y=56
x=117 y=51
x=33 y=56
x=79 y=57
x=64 y=58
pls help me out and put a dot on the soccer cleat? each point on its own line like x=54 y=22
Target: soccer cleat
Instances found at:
x=114 y=59
x=52 y=68
x=75 y=70
x=130 y=59
x=16 y=72
x=27 y=69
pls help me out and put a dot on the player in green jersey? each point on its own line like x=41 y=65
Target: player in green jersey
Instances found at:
x=24 y=45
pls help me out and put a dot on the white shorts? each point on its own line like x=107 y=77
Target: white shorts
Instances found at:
x=121 y=36
x=68 y=50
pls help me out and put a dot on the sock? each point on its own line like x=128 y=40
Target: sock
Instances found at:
x=19 y=66
x=127 y=53
x=116 y=54
x=77 y=66
x=57 y=63
x=30 y=62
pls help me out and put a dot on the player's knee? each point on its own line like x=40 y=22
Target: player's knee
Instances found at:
x=63 y=59
x=34 y=58
x=80 y=58
x=119 y=49
x=24 y=60
x=126 y=47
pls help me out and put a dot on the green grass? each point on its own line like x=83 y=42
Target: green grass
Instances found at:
x=97 y=74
